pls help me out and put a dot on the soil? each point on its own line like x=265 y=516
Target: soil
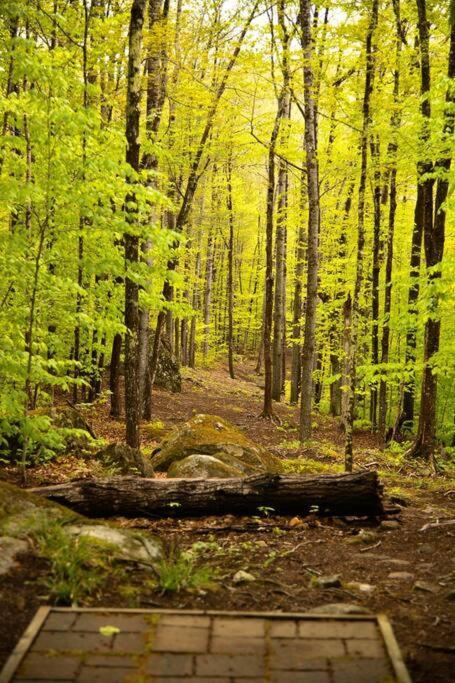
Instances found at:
x=283 y=555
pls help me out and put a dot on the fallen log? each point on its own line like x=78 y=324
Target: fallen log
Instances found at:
x=338 y=494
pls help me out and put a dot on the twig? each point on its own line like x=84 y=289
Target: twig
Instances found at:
x=370 y=547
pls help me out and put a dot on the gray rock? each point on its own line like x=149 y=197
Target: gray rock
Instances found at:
x=125 y=460
x=204 y=466
x=339 y=608
x=333 y=581
x=129 y=546
x=10 y=548
x=401 y=576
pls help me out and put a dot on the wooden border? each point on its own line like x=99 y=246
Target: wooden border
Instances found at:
x=382 y=622
x=222 y=613
x=393 y=649
x=22 y=647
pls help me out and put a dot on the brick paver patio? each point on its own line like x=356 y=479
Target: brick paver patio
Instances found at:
x=162 y=646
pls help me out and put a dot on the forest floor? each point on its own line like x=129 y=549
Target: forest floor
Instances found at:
x=409 y=572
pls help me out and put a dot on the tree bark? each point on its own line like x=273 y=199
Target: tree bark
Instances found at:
x=434 y=237
x=230 y=280
x=312 y=171
x=392 y=159
x=339 y=494
x=297 y=304
x=131 y=240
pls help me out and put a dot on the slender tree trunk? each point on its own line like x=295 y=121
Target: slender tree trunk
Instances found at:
x=376 y=269
x=359 y=276
x=279 y=312
x=230 y=281
x=392 y=159
x=131 y=240
x=296 y=366
x=312 y=172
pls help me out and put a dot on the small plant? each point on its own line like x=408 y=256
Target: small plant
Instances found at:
x=179 y=572
x=264 y=510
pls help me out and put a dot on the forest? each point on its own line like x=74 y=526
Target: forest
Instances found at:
x=227 y=250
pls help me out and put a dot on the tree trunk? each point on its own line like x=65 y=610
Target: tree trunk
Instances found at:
x=338 y=494
x=392 y=155
x=312 y=171
x=359 y=276
x=434 y=236
x=230 y=282
x=131 y=240
x=376 y=269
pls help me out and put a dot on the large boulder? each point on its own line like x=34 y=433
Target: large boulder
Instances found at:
x=24 y=516
x=205 y=466
x=167 y=369
x=125 y=460
x=126 y=545
x=211 y=435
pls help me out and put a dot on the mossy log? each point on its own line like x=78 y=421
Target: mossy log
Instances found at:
x=339 y=494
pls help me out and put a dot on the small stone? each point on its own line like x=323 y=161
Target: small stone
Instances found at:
x=396 y=562
x=340 y=608
x=361 y=587
x=333 y=581
x=426 y=587
x=401 y=576
x=295 y=521
x=243 y=577
x=389 y=525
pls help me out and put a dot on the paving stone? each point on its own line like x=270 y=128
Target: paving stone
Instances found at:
x=197 y=679
x=59 y=640
x=126 y=643
x=122 y=661
x=235 y=626
x=304 y=677
x=43 y=668
x=59 y=621
x=360 y=671
x=125 y=622
x=212 y=665
x=179 y=639
x=337 y=629
x=282 y=629
x=365 y=648
x=100 y=674
x=233 y=645
x=169 y=664
x=189 y=620
x=290 y=654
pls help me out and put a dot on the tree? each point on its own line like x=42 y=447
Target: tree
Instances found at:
x=131 y=239
x=312 y=172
